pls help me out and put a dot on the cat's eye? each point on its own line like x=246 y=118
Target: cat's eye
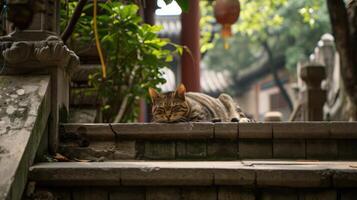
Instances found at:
x=176 y=108
x=159 y=111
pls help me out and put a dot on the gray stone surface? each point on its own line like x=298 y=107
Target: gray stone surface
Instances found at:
x=92 y=131
x=293 y=176
x=226 y=130
x=199 y=194
x=318 y=195
x=255 y=149
x=125 y=193
x=321 y=149
x=347 y=149
x=232 y=193
x=280 y=195
x=241 y=177
x=222 y=150
x=346 y=178
x=157 y=150
x=82 y=115
x=156 y=175
x=90 y=194
x=163 y=193
x=24 y=111
x=255 y=131
x=350 y=194
x=343 y=130
x=157 y=131
x=295 y=130
x=259 y=174
x=288 y=148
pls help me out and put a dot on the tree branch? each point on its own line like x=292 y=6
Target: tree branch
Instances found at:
x=345 y=44
x=277 y=80
x=72 y=23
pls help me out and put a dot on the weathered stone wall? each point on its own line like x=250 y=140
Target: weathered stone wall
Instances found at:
x=194 y=193
x=211 y=141
x=197 y=180
x=24 y=112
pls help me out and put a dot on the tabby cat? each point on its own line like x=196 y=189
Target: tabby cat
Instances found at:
x=182 y=106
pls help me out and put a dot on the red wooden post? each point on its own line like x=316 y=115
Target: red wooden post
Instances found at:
x=190 y=37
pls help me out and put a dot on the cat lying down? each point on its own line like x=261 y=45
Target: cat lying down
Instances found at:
x=182 y=106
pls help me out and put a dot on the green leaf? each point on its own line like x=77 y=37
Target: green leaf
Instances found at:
x=184 y=4
x=168 y=1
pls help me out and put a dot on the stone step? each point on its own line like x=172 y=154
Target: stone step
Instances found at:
x=205 y=180
x=211 y=141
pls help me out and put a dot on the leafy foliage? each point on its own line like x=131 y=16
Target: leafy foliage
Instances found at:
x=134 y=55
x=290 y=27
x=184 y=4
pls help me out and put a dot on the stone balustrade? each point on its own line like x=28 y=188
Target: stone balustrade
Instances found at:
x=213 y=141
x=246 y=180
x=25 y=105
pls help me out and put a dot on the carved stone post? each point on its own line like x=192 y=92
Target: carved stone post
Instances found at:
x=37 y=51
x=313 y=96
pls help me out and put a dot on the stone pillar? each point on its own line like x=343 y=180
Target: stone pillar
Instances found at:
x=313 y=97
x=190 y=37
x=37 y=51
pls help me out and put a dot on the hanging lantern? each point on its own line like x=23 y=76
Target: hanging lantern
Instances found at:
x=226 y=13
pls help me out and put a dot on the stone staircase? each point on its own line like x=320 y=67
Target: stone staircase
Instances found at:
x=221 y=161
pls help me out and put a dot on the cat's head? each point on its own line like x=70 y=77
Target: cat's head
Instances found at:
x=169 y=106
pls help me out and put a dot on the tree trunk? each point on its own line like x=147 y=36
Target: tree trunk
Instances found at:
x=73 y=21
x=275 y=74
x=344 y=25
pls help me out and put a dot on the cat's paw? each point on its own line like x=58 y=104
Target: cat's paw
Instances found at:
x=244 y=120
x=234 y=119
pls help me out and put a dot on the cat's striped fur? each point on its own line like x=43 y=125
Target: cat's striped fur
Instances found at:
x=179 y=106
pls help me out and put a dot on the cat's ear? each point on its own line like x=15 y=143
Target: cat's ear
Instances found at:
x=180 y=91
x=153 y=94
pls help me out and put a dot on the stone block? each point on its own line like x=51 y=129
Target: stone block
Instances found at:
x=199 y=193
x=162 y=131
x=25 y=107
x=180 y=150
x=191 y=150
x=163 y=193
x=255 y=149
x=285 y=148
x=321 y=149
x=231 y=193
x=196 y=150
x=340 y=130
x=255 y=131
x=350 y=194
x=345 y=178
x=222 y=150
x=347 y=149
x=89 y=194
x=292 y=177
x=318 y=195
x=148 y=176
x=62 y=194
x=125 y=150
x=280 y=195
x=92 y=131
x=226 y=130
x=302 y=130
x=241 y=177
x=127 y=193
x=159 y=150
